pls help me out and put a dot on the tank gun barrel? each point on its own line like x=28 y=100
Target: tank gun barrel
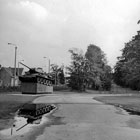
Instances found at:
x=22 y=127
x=31 y=70
x=25 y=65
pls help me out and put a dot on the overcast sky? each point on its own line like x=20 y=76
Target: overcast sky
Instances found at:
x=51 y=27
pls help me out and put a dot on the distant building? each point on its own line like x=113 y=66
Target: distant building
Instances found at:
x=7 y=76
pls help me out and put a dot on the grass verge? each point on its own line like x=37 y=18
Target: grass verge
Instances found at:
x=9 y=104
x=129 y=103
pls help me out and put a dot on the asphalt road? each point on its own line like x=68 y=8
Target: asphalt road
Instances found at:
x=80 y=117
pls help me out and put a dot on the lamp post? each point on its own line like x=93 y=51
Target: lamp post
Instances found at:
x=14 y=62
x=48 y=64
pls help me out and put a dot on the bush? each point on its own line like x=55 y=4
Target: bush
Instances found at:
x=60 y=87
x=10 y=89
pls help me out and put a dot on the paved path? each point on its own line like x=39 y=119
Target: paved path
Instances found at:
x=79 y=117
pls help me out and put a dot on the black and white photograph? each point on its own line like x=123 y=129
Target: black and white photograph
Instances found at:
x=69 y=69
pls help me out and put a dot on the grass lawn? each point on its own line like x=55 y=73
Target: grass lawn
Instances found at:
x=9 y=104
x=131 y=103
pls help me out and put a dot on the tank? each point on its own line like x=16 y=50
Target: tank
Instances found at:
x=35 y=111
x=35 y=81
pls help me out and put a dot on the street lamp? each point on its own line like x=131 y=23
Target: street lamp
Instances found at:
x=15 y=61
x=48 y=64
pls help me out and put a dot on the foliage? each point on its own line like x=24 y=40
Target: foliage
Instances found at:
x=99 y=71
x=61 y=76
x=89 y=69
x=60 y=88
x=127 y=69
x=58 y=74
x=77 y=70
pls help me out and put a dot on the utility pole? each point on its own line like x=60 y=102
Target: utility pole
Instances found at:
x=48 y=63
x=14 y=62
x=15 y=65
x=49 y=66
x=55 y=78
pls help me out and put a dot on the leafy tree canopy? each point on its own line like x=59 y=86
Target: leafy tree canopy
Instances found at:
x=89 y=69
x=58 y=74
x=127 y=69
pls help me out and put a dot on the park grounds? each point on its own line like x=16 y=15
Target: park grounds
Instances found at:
x=10 y=102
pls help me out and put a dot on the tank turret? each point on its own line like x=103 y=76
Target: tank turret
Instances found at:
x=33 y=70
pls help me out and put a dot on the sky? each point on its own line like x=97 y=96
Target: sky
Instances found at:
x=49 y=28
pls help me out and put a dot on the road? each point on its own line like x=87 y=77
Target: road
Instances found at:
x=80 y=117
x=77 y=117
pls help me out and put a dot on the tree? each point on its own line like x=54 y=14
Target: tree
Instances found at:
x=99 y=71
x=77 y=70
x=127 y=69
x=61 y=76
x=58 y=74
x=89 y=69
